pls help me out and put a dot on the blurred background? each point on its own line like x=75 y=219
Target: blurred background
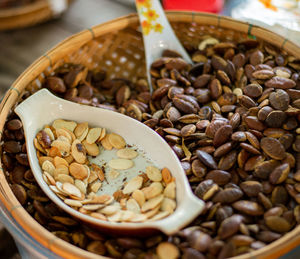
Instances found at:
x=29 y=28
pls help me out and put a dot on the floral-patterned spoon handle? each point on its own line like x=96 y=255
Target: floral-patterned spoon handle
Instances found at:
x=157 y=33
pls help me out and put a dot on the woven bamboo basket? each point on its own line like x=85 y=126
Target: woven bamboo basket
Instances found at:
x=27 y=15
x=118 y=47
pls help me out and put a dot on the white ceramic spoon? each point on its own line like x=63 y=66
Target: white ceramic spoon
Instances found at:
x=158 y=34
x=43 y=108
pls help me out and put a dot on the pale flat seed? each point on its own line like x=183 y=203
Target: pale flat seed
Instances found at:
x=63 y=178
x=170 y=190
x=116 y=141
x=138 y=218
x=48 y=167
x=127 y=153
x=79 y=157
x=160 y=215
x=49 y=132
x=168 y=205
x=61 y=196
x=93 y=135
x=59 y=186
x=149 y=214
x=153 y=173
x=93 y=176
x=64 y=133
x=92 y=207
x=139 y=196
x=153 y=190
x=46 y=179
x=63 y=146
x=71 y=189
x=152 y=203
x=98 y=216
x=120 y=164
x=70 y=125
x=134 y=184
x=83 y=135
x=115 y=217
x=109 y=210
x=127 y=215
x=80 y=185
x=73 y=203
x=60 y=161
x=133 y=206
x=80 y=129
x=105 y=143
x=49 y=177
x=91 y=149
x=95 y=186
x=109 y=201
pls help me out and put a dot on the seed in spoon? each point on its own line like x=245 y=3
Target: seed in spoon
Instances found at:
x=120 y=164
x=116 y=141
x=127 y=153
x=134 y=184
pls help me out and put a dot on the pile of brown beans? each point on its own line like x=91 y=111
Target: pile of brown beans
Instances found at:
x=232 y=118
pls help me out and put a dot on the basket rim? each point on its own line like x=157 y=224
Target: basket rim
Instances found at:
x=21 y=10
x=76 y=41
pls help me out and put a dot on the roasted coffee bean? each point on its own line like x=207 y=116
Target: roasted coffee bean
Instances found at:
x=230 y=226
x=199 y=241
x=246 y=101
x=253 y=162
x=264 y=112
x=218 y=63
x=202 y=95
x=223 y=150
x=277 y=224
x=273 y=148
x=253 y=123
x=186 y=103
x=12 y=147
x=223 y=77
x=20 y=193
x=228 y=160
x=56 y=85
x=228 y=195
x=279 y=174
x=173 y=114
x=250 y=149
x=222 y=135
x=263 y=74
x=219 y=177
x=267 y=236
x=206 y=189
x=257 y=57
x=202 y=80
x=206 y=159
x=280 y=83
x=198 y=168
x=279 y=195
x=215 y=89
x=253 y=90
x=275 y=119
x=14 y=124
x=248 y=207
x=279 y=100
x=251 y=188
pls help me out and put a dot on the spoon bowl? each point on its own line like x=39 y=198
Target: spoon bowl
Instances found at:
x=42 y=108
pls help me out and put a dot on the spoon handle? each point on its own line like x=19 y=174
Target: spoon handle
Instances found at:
x=157 y=32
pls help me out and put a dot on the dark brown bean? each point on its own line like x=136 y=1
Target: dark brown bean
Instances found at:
x=248 y=207
x=279 y=174
x=280 y=83
x=253 y=90
x=279 y=100
x=273 y=148
x=275 y=119
x=222 y=135
x=251 y=188
x=206 y=159
x=219 y=177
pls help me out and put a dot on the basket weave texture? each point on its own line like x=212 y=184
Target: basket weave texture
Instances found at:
x=117 y=47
